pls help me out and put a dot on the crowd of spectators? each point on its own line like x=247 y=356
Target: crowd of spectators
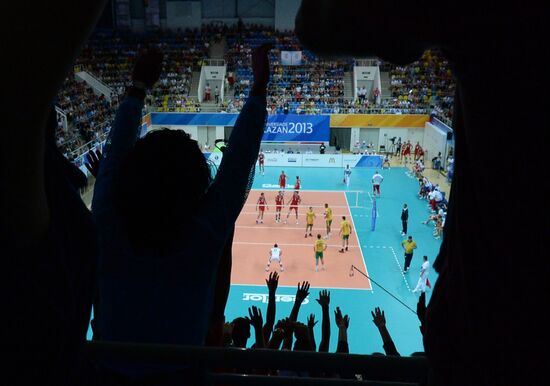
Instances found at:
x=110 y=54
x=88 y=117
x=425 y=84
x=313 y=86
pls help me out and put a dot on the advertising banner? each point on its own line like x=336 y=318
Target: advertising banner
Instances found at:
x=297 y=128
x=378 y=120
x=279 y=128
x=322 y=160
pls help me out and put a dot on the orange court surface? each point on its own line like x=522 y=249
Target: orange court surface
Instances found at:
x=252 y=243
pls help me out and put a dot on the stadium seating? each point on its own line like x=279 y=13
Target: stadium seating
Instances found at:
x=316 y=86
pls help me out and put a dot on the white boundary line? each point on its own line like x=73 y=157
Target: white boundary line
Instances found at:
x=272 y=212
x=370 y=197
x=288 y=286
x=400 y=269
x=310 y=245
x=284 y=228
x=260 y=226
x=291 y=190
x=313 y=206
x=359 y=242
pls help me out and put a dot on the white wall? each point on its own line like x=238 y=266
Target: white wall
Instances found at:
x=183 y=14
x=220 y=9
x=434 y=141
x=354 y=137
x=285 y=13
x=371 y=134
x=407 y=134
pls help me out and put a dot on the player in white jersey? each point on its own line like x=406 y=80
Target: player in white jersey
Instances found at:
x=275 y=254
x=423 y=279
x=376 y=181
x=347 y=175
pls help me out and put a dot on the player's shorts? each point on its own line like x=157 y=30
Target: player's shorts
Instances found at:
x=278 y=208
x=376 y=188
x=275 y=258
x=261 y=163
x=329 y=222
x=345 y=237
x=282 y=186
x=318 y=255
x=406 y=152
x=261 y=208
x=309 y=224
x=293 y=207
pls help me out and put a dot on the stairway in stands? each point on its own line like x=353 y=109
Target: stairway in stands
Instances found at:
x=348 y=85
x=385 y=83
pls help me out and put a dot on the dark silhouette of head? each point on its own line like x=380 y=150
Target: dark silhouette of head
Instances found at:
x=158 y=185
x=241 y=332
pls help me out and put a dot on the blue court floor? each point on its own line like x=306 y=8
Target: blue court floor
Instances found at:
x=382 y=253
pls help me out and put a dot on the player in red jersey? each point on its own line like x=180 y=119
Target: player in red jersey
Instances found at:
x=282 y=180
x=261 y=206
x=417 y=151
x=261 y=160
x=297 y=184
x=279 y=203
x=294 y=202
x=407 y=151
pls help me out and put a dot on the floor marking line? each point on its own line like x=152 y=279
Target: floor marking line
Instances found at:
x=314 y=206
x=358 y=241
x=294 y=287
x=263 y=226
x=291 y=244
x=400 y=269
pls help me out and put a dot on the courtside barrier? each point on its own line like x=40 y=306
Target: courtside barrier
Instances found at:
x=378 y=369
x=314 y=160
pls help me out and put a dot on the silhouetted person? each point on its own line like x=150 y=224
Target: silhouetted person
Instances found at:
x=48 y=242
x=164 y=220
x=473 y=333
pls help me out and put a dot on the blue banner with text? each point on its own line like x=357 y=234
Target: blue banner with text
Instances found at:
x=297 y=128
x=279 y=128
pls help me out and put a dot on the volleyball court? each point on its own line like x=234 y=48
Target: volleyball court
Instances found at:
x=253 y=242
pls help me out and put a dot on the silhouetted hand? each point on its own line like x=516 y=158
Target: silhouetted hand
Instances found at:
x=378 y=317
x=311 y=322
x=93 y=158
x=324 y=298
x=148 y=67
x=260 y=69
x=341 y=321
x=303 y=291
x=272 y=282
x=255 y=317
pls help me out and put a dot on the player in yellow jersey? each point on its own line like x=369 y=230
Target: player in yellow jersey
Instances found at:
x=310 y=215
x=328 y=220
x=319 y=247
x=345 y=231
